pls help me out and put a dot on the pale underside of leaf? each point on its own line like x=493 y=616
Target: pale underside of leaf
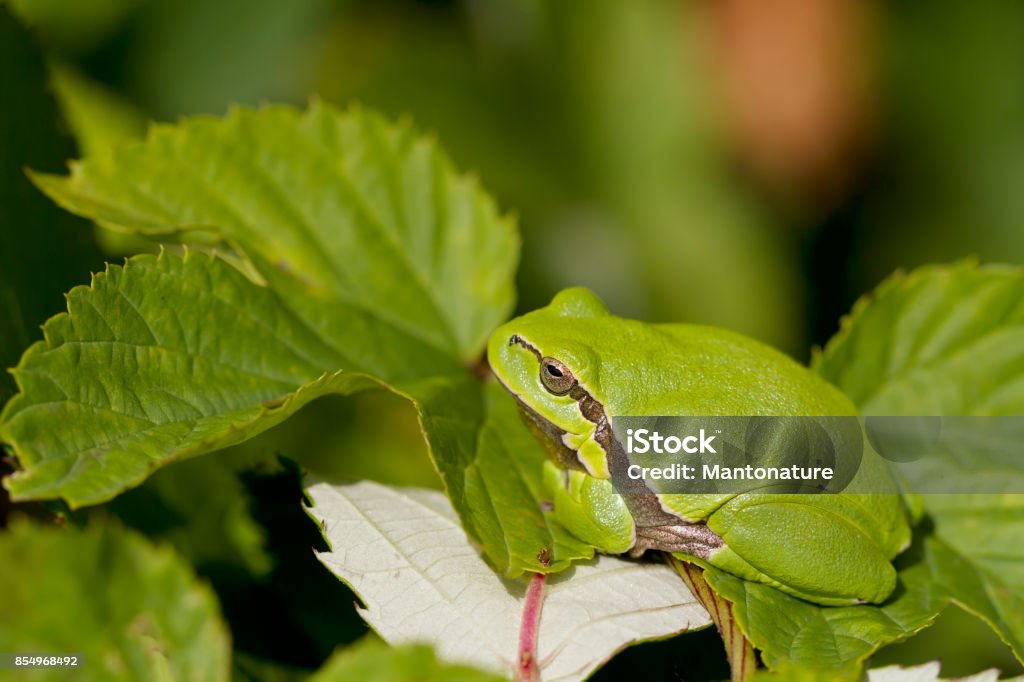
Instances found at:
x=927 y=672
x=422 y=580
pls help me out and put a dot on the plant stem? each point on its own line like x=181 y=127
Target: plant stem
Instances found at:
x=739 y=651
x=527 y=669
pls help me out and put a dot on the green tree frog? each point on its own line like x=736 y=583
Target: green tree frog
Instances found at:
x=573 y=367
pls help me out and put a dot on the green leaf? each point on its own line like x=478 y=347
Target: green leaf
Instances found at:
x=248 y=668
x=983 y=565
x=505 y=493
x=338 y=211
x=379 y=259
x=130 y=610
x=202 y=509
x=372 y=661
x=794 y=673
x=371 y=263
x=949 y=340
x=162 y=359
x=942 y=340
x=789 y=631
x=99 y=118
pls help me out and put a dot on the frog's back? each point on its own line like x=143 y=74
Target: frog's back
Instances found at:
x=709 y=371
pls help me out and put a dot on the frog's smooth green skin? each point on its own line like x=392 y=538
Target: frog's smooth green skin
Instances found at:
x=573 y=367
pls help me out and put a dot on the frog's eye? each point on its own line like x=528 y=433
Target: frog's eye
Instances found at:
x=556 y=377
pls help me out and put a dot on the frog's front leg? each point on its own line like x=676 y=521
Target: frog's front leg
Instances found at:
x=657 y=529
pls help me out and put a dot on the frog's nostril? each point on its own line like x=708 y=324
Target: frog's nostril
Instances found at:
x=514 y=340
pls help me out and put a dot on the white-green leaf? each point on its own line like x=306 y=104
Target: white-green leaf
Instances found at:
x=422 y=580
x=927 y=672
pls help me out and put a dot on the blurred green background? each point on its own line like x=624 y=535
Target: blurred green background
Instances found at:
x=747 y=164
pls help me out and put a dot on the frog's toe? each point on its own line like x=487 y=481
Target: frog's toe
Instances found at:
x=695 y=539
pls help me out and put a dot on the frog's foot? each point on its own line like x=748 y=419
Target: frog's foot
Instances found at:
x=695 y=539
x=660 y=530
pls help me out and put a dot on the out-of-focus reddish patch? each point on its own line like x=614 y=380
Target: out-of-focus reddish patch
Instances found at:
x=794 y=79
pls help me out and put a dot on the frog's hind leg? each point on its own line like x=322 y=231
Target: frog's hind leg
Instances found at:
x=657 y=529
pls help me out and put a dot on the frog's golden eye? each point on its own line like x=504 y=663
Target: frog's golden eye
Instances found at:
x=556 y=377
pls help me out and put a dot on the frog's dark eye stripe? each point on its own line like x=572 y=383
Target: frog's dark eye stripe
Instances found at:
x=556 y=377
x=516 y=340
